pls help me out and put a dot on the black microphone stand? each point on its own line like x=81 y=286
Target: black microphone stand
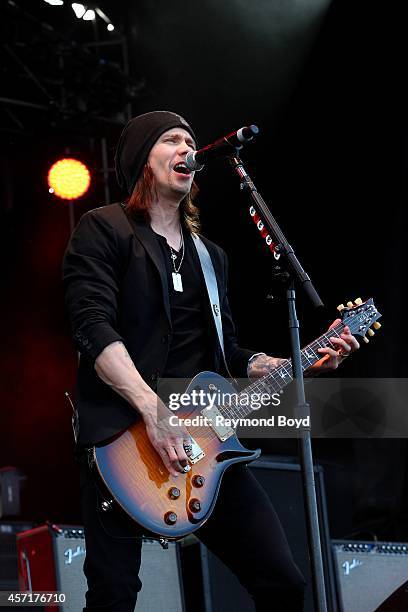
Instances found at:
x=295 y=272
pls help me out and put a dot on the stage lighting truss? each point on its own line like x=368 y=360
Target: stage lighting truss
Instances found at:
x=66 y=81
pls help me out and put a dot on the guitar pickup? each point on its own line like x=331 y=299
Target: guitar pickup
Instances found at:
x=216 y=422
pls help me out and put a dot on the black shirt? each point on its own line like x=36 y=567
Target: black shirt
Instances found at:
x=189 y=346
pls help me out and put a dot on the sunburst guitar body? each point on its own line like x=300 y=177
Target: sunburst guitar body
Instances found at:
x=163 y=504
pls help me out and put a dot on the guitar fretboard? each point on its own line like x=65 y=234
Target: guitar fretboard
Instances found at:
x=280 y=377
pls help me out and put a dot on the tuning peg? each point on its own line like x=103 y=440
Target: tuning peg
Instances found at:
x=365 y=339
x=358 y=301
x=376 y=325
x=350 y=304
x=340 y=307
x=370 y=332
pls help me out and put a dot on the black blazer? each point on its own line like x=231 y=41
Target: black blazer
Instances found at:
x=116 y=289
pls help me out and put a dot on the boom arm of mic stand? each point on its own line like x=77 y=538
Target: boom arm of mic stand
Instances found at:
x=276 y=233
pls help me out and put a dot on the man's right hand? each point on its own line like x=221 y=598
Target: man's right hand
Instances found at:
x=115 y=367
x=167 y=439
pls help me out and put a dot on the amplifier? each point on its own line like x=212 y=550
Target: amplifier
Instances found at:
x=161 y=578
x=369 y=573
x=8 y=553
x=51 y=558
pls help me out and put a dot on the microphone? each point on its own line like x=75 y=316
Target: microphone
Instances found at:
x=195 y=160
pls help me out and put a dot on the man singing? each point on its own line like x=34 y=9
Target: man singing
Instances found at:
x=140 y=311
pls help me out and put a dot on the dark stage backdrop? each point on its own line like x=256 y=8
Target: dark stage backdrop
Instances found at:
x=325 y=84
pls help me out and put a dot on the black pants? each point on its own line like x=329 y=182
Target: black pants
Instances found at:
x=243 y=531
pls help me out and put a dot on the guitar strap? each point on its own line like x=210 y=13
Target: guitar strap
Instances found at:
x=212 y=290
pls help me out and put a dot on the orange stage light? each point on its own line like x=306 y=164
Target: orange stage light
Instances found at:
x=69 y=179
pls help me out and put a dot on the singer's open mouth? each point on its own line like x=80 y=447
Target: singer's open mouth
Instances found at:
x=181 y=168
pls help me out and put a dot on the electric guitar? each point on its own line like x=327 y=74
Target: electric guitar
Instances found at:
x=135 y=477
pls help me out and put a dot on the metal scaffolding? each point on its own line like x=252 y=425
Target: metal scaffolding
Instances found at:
x=57 y=80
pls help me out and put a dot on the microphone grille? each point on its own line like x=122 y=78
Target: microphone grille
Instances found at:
x=245 y=134
x=191 y=162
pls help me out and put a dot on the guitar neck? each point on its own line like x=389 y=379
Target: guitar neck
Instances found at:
x=280 y=377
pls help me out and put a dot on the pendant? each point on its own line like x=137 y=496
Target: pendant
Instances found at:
x=177 y=284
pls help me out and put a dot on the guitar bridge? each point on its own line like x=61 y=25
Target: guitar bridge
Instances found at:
x=196 y=453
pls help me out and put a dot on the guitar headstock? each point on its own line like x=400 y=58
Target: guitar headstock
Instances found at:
x=360 y=317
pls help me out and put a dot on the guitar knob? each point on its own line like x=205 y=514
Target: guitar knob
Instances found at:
x=350 y=304
x=174 y=493
x=170 y=518
x=370 y=332
x=358 y=301
x=340 y=307
x=376 y=325
x=365 y=339
x=195 y=505
x=198 y=481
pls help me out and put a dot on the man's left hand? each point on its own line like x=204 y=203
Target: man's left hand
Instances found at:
x=262 y=364
x=345 y=344
x=333 y=357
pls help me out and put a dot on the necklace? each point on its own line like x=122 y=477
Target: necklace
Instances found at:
x=176 y=276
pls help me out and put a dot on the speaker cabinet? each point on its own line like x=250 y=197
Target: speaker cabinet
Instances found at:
x=51 y=558
x=8 y=553
x=371 y=576
x=282 y=482
x=161 y=578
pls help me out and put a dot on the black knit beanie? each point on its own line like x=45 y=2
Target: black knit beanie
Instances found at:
x=137 y=138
